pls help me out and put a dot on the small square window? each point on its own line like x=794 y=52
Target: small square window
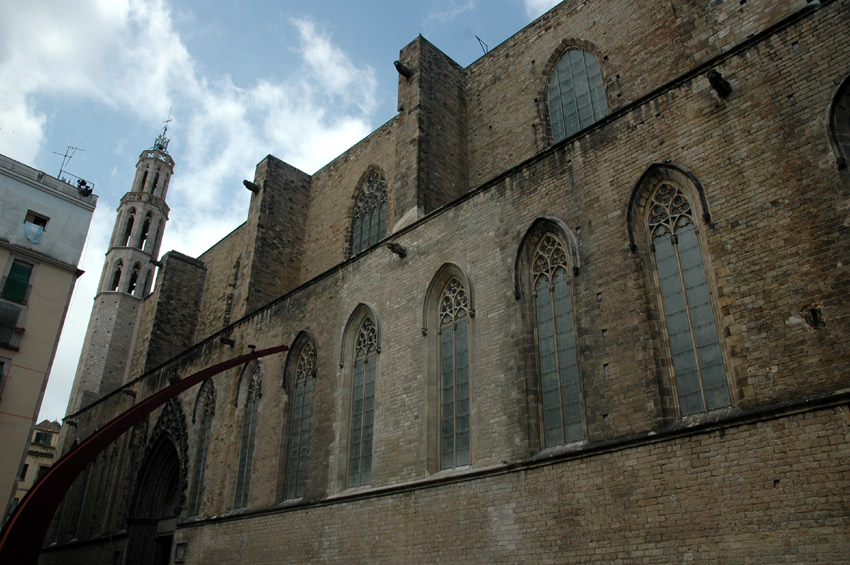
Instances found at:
x=34 y=226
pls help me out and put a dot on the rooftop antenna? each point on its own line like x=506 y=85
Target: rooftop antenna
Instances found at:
x=482 y=44
x=69 y=154
x=83 y=185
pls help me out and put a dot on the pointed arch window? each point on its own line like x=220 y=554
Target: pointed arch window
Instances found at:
x=299 y=431
x=134 y=278
x=146 y=226
x=363 y=405
x=700 y=376
x=206 y=397
x=129 y=228
x=249 y=434
x=454 y=375
x=576 y=94
x=369 y=220
x=563 y=419
x=116 y=276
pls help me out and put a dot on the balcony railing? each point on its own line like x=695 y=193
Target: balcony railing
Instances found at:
x=10 y=338
x=11 y=318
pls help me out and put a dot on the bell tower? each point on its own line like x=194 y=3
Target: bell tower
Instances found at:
x=126 y=279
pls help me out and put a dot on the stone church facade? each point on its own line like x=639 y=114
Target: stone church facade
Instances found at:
x=583 y=300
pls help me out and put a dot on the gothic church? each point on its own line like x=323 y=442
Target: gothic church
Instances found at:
x=582 y=300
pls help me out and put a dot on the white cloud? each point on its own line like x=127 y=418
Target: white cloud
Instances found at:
x=446 y=15
x=126 y=55
x=535 y=8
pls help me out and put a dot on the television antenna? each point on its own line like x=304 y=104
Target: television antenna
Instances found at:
x=83 y=185
x=483 y=45
x=69 y=154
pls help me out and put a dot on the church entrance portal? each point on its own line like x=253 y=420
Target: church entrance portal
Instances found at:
x=155 y=506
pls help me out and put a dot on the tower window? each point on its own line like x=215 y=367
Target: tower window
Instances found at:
x=146 y=226
x=129 y=229
x=116 y=277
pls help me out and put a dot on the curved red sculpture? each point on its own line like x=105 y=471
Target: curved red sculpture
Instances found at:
x=24 y=532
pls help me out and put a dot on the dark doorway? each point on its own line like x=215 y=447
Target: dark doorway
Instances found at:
x=156 y=503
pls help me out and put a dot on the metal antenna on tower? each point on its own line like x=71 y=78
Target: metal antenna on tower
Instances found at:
x=69 y=154
x=166 y=122
x=482 y=44
x=161 y=143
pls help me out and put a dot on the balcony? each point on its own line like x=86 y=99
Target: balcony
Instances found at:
x=11 y=318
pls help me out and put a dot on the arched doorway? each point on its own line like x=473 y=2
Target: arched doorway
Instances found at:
x=156 y=504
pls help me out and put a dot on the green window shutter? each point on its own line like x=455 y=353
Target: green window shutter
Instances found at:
x=17 y=282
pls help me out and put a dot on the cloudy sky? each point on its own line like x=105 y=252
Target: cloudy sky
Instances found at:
x=241 y=79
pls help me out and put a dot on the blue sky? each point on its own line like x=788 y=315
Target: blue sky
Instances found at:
x=302 y=81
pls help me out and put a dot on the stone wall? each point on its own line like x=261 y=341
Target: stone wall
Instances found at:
x=762 y=480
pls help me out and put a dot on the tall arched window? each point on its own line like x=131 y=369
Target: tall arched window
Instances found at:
x=454 y=375
x=576 y=94
x=299 y=430
x=146 y=227
x=116 y=275
x=369 y=219
x=249 y=433
x=131 y=217
x=838 y=126
x=362 y=405
x=560 y=388
x=700 y=376
x=206 y=400
x=134 y=278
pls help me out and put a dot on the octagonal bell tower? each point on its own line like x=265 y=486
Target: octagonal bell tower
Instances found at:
x=126 y=279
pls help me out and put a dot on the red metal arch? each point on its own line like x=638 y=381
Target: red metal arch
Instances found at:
x=24 y=532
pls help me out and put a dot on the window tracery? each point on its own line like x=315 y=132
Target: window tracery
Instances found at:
x=363 y=405
x=700 y=375
x=249 y=433
x=299 y=435
x=454 y=375
x=207 y=397
x=563 y=419
x=369 y=219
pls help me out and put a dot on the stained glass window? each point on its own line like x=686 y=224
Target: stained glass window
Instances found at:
x=362 y=405
x=207 y=399
x=563 y=419
x=576 y=94
x=369 y=220
x=454 y=375
x=249 y=434
x=299 y=436
x=701 y=381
